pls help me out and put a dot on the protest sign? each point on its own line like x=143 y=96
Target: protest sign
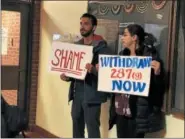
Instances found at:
x=124 y=74
x=70 y=59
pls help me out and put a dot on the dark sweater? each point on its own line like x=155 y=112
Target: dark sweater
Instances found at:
x=89 y=85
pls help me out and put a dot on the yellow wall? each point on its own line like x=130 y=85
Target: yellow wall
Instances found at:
x=53 y=111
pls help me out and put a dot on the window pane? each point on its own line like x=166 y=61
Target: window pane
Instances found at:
x=10 y=54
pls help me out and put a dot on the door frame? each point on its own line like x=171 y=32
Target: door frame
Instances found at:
x=25 y=53
x=175 y=42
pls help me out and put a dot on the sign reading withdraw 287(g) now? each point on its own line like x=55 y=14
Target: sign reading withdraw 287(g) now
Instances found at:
x=70 y=59
x=124 y=74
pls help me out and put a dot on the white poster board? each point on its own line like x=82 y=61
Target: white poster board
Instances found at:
x=70 y=59
x=124 y=74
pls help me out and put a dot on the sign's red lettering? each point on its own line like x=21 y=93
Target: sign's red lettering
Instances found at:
x=68 y=59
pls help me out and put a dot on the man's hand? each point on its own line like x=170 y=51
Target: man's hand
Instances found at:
x=64 y=77
x=156 y=66
x=89 y=67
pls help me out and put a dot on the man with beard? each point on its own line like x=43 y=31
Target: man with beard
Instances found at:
x=86 y=107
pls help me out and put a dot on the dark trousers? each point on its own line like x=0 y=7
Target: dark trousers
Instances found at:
x=85 y=113
x=126 y=128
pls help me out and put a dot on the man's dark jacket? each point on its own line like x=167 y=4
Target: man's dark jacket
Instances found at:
x=91 y=95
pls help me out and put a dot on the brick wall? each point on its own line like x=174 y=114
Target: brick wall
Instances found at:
x=10 y=57
x=35 y=63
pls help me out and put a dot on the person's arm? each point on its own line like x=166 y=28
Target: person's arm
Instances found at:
x=158 y=80
x=158 y=84
x=94 y=71
x=65 y=78
x=160 y=75
x=70 y=79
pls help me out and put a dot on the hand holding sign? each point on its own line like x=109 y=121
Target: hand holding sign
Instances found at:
x=64 y=77
x=156 y=66
x=89 y=67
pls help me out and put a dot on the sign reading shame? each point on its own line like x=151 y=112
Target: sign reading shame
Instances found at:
x=70 y=59
x=124 y=74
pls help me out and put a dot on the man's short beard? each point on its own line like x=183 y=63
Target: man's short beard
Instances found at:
x=87 y=33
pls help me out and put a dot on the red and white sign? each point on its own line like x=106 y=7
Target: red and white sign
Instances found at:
x=70 y=59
